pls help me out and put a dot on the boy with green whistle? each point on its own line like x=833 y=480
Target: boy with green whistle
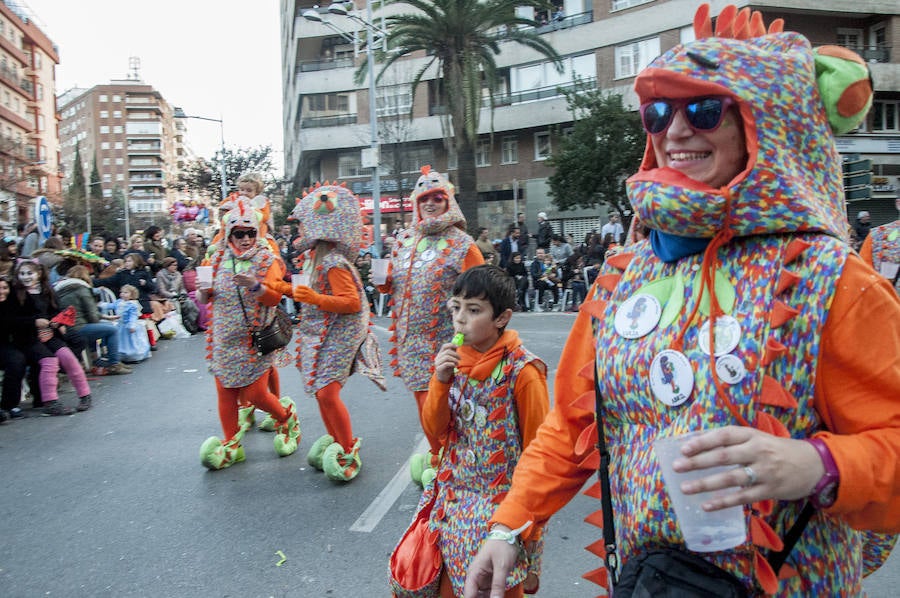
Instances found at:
x=486 y=399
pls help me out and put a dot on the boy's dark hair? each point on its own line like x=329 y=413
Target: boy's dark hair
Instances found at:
x=491 y=283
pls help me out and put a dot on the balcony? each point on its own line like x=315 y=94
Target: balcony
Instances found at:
x=308 y=66
x=879 y=55
x=145 y=182
x=328 y=121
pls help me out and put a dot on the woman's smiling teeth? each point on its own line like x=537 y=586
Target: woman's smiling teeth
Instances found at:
x=688 y=156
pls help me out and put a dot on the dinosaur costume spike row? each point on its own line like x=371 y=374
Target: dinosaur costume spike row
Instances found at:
x=762 y=255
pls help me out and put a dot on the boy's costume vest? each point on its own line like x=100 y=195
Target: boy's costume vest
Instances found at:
x=475 y=473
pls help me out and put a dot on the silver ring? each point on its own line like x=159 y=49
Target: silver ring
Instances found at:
x=751 y=476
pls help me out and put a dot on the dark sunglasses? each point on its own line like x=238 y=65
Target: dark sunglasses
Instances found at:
x=240 y=234
x=702 y=114
x=435 y=198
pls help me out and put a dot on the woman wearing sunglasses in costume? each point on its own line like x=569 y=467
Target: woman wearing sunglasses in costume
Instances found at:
x=244 y=296
x=425 y=262
x=740 y=187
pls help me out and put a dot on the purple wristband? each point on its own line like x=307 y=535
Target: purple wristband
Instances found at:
x=825 y=493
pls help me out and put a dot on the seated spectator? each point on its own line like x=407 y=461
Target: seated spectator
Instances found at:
x=135 y=273
x=76 y=289
x=576 y=281
x=170 y=285
x=111 y=250
x=178 y=252
x=560 y=249
x=136 y=245
x=516 y=269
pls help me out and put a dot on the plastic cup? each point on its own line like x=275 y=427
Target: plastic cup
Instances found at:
x=204 y=277
x=299 y=280
x=702 y=531
x=380 y=271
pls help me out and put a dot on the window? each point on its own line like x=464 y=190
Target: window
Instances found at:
x=40 y=122
x=107 y=178
x=330 y=102
x=39 y=91
x=118 y=145
x=452 y=159
x=120 y=177
x=104 y=114
x=37 y=60
x=120 y=161
x=117 y=129
x=885 y=116
x=541 y=146
x=544 y=75
x=103 y=98
x=483 y=152
x=349 y=165
x=394 y=100
x=850 y=38
x=117 y=98
x=621 y=4
x=107 y=193
x=104 y=145
x=104 y=130
x=106 y=161
x=632 y=57
x=117 y=114
x=687 y=35
x=509 y=150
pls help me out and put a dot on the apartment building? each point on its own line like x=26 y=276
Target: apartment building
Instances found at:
x=129 y=128
x=29 y=140
x=603 y=42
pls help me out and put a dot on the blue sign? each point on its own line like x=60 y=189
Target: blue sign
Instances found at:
x=42 y=216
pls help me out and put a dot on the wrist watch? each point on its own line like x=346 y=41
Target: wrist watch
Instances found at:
x=825 y=492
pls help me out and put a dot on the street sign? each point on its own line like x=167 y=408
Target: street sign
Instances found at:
x=42 y=216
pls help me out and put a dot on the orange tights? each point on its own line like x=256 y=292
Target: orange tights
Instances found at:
x=256 y=394
x=335 y=415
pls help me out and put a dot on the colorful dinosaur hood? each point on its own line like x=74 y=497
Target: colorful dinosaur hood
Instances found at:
x=429 y=183
x=790 y=98
x=330 y=212
x=243 y=215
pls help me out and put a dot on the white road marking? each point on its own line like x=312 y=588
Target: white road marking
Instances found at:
x=379 y=507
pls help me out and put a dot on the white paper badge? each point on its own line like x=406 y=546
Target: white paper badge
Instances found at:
x=637 y=316
x=728 y=335
x=730 y=369
x=428 y=255
x=671 y=377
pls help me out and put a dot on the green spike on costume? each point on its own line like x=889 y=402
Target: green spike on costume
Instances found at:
x=268 y=424
x=341 y=466
x=287 y=433
x=314 y=456
x=215 y=455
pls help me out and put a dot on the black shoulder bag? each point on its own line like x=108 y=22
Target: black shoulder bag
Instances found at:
x=670 y=572
x=274 y=336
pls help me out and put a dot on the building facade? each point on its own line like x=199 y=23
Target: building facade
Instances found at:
x=602 y=42
x=129 y=129
x=29 y=135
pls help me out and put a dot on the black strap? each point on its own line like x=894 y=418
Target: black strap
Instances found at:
x=776 y=560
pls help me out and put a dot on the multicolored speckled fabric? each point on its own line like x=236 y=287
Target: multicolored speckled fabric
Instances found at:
x=785 y=351
x=477 y=469
x=330 y=212
x=886 y=246
x=793 y=181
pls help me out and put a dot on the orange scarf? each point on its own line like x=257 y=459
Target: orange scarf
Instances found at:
x=479 y=366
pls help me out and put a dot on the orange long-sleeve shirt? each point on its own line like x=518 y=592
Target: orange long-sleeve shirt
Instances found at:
x=529 y=392
x=857 y=395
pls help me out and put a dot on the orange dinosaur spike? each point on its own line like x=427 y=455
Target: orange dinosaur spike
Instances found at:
x=597 y=548
x=586 y=439
x=585 y=401
x=764 y=574
x=702 y=22
x=776 y=395
x=593 y=491
x=742 y=24
x=725 y=21
x=782 y=313
x=763 y=535
x=425 y=169
x=776 y=26
x=757 y=26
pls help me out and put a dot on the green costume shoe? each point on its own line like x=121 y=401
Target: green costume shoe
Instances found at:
x=215 y=454
x=314 y=457
x=287 y=434
x=428 y=476
x=340 y=466
x=268 y=424
x=420 y=465
x=416 y=467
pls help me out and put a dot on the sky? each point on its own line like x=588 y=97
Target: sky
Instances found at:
x=213 y=58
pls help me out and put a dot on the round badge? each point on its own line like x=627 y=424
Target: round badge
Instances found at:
x=730 y=369
x=637 y=316
x=467 y=410
x=728 y=335
x=418 y=264
x=470 y=457
x=428 y=255
x=671 y=377
x=481 y=415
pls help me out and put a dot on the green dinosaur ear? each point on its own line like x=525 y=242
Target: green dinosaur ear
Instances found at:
x=845 y=86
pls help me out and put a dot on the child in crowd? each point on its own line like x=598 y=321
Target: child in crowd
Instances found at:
x=134 y=343
x=334 y=337
x=36 y=299
x=485 y=402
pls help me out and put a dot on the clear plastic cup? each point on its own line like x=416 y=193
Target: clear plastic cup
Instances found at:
x=298 y=280
x=380 y=271
x=702 y=531
x=204 y=277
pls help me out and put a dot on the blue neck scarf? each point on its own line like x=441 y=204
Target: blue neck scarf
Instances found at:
x=671 y=248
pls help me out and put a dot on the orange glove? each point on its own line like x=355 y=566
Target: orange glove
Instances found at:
x=304 y=294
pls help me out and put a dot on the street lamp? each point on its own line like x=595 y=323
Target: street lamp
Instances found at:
x=179 y=113
x=341 y=9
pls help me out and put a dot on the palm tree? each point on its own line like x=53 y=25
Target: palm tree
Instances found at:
x=462 y=38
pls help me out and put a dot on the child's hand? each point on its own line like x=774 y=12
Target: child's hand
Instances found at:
x=42 y=323
x=445 y=362
x=304 y=294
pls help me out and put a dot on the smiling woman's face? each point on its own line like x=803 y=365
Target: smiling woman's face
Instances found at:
x=4 y=290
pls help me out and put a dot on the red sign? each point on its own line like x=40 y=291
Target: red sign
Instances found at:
x=388 y=204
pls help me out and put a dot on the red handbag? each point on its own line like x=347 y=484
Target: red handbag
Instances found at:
x=416 y=562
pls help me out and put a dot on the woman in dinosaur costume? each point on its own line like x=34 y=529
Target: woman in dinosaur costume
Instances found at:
x=741 y=165
x=334 y=339
x=425 y=262
x=245 y=292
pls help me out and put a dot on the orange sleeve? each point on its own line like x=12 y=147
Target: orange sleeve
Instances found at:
x=436 y=411
x=865 y=252
x=344 y=297
x=858 y=397
x=473 y=258
x=272 y=294
x=532 y=401
x=548 y=474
